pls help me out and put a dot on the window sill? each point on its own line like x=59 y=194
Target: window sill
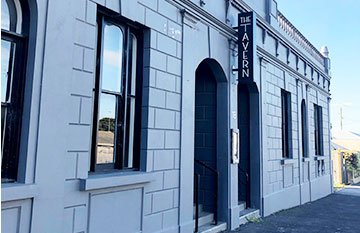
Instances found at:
x=306 y=159
x=288 y=161
x=319 y=157
x=17 y=191
x=110 y=180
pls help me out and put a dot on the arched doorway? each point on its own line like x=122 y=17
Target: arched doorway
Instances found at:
x=205 y=136
x=211 y=133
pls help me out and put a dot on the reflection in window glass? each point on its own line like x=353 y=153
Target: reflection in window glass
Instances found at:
x=5 y=58
x=133 y=64
x=5 y=17
x=106 y=129
x=112 y=58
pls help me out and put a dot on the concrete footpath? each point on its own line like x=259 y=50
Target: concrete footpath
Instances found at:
x=337 y=213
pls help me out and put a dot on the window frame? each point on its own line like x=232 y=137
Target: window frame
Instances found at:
x=318 y=130
x=128 y=28
x=11 y=137
x=286 y=124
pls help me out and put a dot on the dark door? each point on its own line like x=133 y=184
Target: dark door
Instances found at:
x=244 y=128
x=205 y=136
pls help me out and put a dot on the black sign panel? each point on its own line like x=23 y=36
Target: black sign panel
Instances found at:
x=246 y=47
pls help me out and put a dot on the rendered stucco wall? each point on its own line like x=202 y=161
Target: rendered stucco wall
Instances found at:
x=291 y=177
x=155 y=205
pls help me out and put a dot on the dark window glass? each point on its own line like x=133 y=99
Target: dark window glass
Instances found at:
x=13 y=53
x=318 y=130
x=304 y=129
x=286 y=123
x=117 y=105
x=130 y=123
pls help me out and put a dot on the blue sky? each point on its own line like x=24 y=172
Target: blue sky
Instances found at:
x=337 y=25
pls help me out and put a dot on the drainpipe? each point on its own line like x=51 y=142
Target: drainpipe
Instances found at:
x=331 y=168
x=262 y=144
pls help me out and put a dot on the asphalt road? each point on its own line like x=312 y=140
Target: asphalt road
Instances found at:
x=337 y=213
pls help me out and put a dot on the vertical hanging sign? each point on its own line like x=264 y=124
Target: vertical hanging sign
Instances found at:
x=246 y=47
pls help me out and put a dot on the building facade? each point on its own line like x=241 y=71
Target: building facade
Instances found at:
x=133 y=116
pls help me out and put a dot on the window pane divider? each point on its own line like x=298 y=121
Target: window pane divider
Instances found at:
x=8 y=35
x=111 y=92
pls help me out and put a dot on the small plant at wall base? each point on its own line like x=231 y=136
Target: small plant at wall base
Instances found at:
x=254 y=219
x=338 y=186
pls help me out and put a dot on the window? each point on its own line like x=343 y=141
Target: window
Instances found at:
x=318 y=130
x=117 y=109
x=286 y=123
x=304 y=129
x=13 y=54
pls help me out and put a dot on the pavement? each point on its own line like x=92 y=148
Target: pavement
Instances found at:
x=351 y=190
x=336 y=213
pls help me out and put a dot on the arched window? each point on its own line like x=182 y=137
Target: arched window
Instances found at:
x=13 y=54
x=117 y=102
x=304 y=129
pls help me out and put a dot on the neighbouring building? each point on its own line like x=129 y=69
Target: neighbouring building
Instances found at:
x=345 y=155
x=158 y=115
